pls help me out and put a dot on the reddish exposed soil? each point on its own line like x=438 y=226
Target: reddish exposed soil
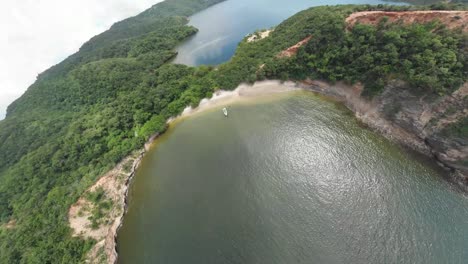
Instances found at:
x=291 y=51
x=451 y=19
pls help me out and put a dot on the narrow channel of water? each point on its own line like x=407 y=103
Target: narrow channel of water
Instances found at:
x=224 y=25
x=291 y=179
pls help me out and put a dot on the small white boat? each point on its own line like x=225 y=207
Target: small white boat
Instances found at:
x=225 y=112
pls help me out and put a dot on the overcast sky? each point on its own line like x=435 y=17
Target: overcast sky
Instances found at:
x=36 y=34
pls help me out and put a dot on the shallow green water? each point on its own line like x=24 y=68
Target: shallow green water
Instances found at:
x=290 y=180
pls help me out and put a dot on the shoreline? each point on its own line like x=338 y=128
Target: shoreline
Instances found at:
x=364 y=110
x=243 y=93
x=115 y=184
x=117 y=181
x=369 y=113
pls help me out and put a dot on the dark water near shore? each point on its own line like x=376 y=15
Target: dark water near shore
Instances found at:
x=294 y=179
x=224 y=25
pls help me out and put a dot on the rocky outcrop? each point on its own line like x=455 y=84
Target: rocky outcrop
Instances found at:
x=430 y=120
x=413 y=119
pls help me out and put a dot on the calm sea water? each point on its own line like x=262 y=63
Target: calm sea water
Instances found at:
x=291 y=180
x=224 y=25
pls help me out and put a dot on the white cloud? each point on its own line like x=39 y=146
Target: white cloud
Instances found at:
x=36 y=34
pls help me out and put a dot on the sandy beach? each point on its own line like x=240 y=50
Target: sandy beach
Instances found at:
x=243 y=93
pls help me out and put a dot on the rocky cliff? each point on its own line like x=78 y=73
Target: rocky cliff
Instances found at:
x=434 y=126
x=438 y=122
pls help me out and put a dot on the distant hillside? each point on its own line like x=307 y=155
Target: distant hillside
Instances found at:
x=163 y=22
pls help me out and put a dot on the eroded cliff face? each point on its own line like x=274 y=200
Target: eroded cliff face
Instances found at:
x=114 y=185
x=427 y=124
x=433 y=120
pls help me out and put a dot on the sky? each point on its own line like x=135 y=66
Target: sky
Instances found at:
x=37 y=34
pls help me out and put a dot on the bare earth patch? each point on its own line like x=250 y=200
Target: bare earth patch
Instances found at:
x=291 y=51
x=115 y=185
x=258 y=36
x=10 y=225
x=451 y=19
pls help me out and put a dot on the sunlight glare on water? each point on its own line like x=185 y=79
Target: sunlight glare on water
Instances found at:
x=291 y=180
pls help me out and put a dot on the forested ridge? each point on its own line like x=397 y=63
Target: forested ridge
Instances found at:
x=77 y=120
x=85 y=114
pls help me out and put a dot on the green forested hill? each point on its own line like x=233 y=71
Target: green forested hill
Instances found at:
x=85 y=114
x=80 y=118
